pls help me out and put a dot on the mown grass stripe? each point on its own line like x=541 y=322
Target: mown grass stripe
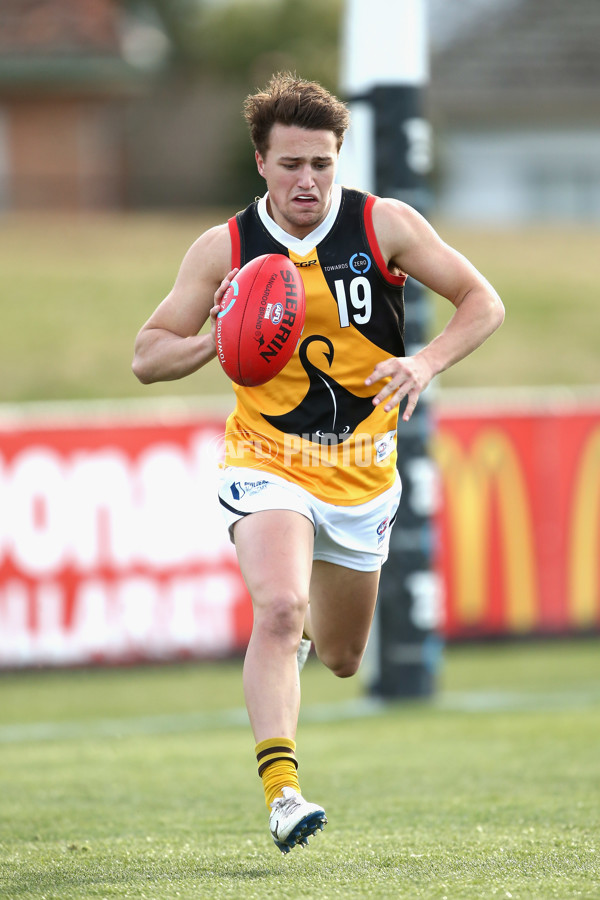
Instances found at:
x=357 y=708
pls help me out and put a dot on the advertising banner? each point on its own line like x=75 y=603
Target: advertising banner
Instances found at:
x=113 y=547
x=519 y=521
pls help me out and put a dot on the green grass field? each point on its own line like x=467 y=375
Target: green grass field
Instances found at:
x=141 y=783
x=75 y=290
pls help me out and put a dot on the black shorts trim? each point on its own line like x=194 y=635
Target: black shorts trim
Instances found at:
x=238 y=512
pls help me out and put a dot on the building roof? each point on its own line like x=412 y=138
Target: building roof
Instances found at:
x=58 y=27
x=521 y=61
x=45 y=44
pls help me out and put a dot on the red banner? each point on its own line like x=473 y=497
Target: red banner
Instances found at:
x=113 y=548
x=519 y=522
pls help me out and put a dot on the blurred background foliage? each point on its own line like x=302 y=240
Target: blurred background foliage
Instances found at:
x=245 y=42
x=237 y=46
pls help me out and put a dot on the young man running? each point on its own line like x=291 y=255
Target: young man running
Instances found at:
x=311 y=518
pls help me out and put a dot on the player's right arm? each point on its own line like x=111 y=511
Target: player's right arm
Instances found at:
x=168 y=346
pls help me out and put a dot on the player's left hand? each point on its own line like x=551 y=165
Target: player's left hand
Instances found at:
x=408 y=377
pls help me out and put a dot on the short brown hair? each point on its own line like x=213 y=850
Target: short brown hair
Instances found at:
x=289 y=100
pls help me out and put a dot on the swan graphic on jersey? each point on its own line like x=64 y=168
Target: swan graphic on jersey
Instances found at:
x=328 y=413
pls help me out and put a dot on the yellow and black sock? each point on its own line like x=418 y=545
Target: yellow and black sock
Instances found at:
x=277 y=766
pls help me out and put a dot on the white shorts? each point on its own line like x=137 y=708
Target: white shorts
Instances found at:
x=354 y=536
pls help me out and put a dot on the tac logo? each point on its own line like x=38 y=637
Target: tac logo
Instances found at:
x=230 y=295
x=277 y=313
x=360 y=263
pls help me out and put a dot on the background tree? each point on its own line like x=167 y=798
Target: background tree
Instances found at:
x=239 y=44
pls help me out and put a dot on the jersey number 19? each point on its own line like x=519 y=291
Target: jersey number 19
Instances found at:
x=360 y=301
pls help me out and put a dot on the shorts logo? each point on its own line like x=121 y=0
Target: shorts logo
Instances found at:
x=239 y=489
x=382 y=527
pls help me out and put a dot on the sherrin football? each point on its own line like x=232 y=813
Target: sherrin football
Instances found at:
x=260 y=320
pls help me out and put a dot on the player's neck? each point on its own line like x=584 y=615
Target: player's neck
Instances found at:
x=295 y=230
x=313 y=236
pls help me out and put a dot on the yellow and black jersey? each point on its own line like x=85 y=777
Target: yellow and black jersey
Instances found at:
x=315 y=422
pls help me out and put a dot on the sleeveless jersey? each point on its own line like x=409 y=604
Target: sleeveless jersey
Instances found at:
x=315 y=422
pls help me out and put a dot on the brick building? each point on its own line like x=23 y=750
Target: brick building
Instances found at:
x=63 y=78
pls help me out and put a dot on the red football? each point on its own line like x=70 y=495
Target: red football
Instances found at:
x=261 y=319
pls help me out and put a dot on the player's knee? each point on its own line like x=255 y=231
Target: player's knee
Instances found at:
x=343 y=664
x=347 y=669
x=282 y=615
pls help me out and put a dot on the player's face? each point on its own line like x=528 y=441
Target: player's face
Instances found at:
x=299 y=168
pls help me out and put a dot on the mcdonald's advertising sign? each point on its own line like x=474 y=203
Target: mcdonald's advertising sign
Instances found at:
x=519 y=522
x=113 y=548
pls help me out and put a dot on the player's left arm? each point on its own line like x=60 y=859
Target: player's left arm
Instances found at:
x=409 y=244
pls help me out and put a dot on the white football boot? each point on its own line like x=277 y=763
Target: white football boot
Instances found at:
x=303 y=652
x=293 y=820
